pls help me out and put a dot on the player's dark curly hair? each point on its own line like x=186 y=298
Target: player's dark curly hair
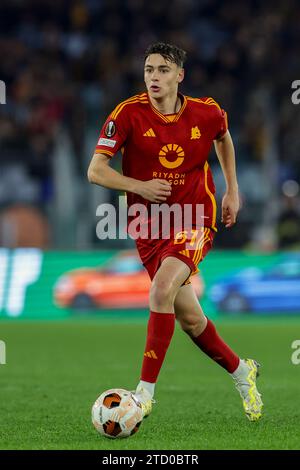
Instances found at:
x=168 y=51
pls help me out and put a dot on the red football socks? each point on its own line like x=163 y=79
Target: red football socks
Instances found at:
x=211 y=344
x=160 y=331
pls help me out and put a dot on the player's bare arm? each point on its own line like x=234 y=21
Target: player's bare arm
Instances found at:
x=101 y=173
x=230 y=202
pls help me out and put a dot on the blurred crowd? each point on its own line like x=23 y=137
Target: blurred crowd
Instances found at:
x=67 y=63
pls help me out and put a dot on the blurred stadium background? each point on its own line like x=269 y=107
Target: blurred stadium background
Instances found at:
x=66 y=64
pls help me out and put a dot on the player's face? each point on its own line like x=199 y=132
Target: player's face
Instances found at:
x=161 y=76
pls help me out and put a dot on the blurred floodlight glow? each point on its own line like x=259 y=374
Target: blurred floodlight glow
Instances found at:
x=290 y=188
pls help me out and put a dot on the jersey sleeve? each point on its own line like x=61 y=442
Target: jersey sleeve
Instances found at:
x=219 y=120
x=114 y=132
x=221 y=124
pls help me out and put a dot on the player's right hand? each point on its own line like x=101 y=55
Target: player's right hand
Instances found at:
x=155 y=190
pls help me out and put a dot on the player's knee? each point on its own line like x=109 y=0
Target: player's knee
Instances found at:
x=192 y=325
x=187 y=326
x=161 y=293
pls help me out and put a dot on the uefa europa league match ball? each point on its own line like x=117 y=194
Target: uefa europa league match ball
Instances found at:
x=116 y=413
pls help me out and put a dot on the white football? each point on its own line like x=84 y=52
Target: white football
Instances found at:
x=116 y=413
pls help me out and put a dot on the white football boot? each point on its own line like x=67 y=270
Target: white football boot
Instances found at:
x=245 y=383
x=144 y=399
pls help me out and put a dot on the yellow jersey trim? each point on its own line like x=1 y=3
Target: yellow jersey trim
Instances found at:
x=212 y=198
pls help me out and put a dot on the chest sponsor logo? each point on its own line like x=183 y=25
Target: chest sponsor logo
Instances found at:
x=110 y=129
x=176 y=179
x=167 y=154
x=107 y=142
x=195 y=133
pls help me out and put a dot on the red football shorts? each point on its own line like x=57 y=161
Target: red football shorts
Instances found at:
x=189 y=246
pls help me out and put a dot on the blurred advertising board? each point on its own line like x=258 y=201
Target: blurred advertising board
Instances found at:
x=36 y=284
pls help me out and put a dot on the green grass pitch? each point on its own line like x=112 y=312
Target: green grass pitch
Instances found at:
x=55 y=371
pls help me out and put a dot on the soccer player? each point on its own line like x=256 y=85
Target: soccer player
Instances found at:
x=165 y=139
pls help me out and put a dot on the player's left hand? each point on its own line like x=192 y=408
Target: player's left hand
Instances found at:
x=230 y=208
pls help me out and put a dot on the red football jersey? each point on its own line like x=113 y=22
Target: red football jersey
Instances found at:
x=170 y=147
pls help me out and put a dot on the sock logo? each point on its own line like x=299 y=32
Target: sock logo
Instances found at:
x=151 y=354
